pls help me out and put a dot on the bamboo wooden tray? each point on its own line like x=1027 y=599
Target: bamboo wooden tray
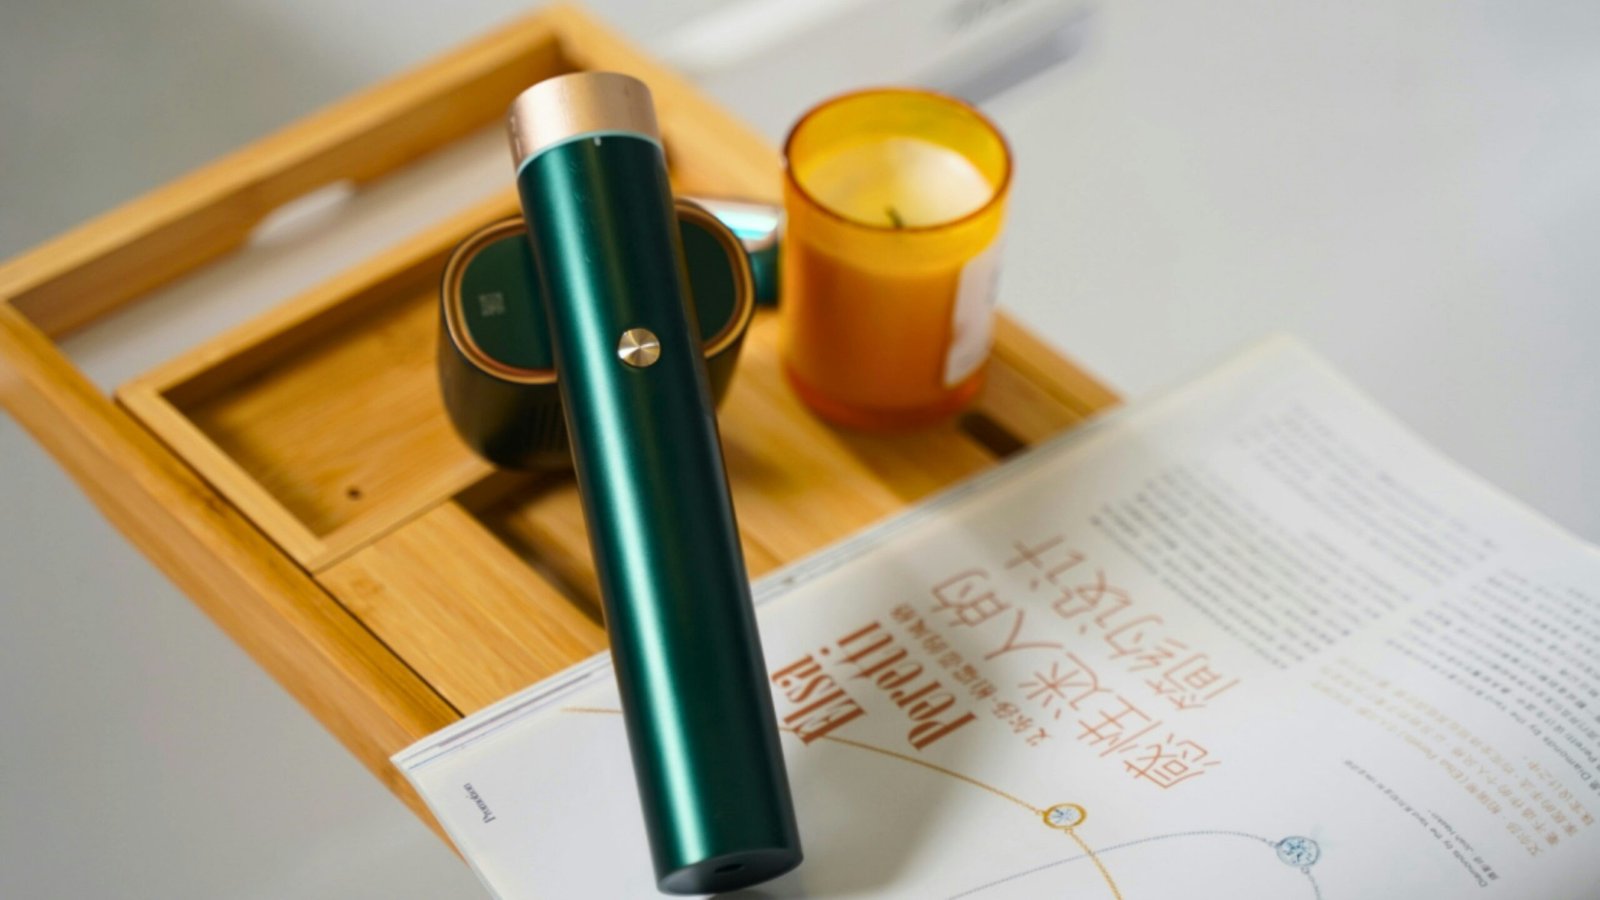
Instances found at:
x=345 y=538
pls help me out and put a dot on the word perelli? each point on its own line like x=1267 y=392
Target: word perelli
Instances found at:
x=827 y=706
x=876 y=656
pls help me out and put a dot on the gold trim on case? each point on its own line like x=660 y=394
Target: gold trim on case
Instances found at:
x=455 y=315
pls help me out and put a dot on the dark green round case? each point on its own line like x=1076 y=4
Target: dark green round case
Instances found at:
x=496 y=369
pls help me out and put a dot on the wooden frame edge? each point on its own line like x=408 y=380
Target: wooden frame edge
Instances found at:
x=79 y=276
x=174 y=429
x=743 y=157
x=344 y=676
x=1067 y=383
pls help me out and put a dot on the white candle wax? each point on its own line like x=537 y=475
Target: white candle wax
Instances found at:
x=898 y=182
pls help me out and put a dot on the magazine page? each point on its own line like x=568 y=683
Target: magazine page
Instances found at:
x=1250 y=639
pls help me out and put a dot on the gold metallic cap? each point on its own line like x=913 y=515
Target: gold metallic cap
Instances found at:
x=559 y=109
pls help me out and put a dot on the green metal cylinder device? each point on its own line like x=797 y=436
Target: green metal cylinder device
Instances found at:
x=634 y=390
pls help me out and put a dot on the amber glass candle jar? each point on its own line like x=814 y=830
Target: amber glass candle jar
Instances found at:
x=894 y=201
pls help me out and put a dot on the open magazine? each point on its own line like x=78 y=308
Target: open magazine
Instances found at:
x=1250 y=639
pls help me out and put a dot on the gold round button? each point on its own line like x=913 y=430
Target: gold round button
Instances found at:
x=639 y=347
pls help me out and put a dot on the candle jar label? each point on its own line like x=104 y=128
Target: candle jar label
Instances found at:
x=972 y=315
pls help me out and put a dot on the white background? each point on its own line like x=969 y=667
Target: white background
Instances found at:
x=1413 y=187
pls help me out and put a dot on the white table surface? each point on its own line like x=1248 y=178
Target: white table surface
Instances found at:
x=1414 y=188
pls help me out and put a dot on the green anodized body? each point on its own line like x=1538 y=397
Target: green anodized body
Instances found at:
x=689 y=668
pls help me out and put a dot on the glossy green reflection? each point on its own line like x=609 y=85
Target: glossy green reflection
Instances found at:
x=688 y=661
